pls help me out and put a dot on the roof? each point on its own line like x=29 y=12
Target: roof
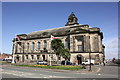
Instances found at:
x=72 y=15
x=50 y=31
x=62 y=31
x=55 y=32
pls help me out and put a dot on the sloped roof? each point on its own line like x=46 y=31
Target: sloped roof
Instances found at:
x=50 y=31
x=62 y=31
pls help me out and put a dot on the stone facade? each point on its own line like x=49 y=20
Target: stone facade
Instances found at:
x=81 y=40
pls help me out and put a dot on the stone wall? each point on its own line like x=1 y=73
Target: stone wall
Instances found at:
x=91 y=43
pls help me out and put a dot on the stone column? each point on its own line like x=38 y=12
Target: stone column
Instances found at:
x=63 y=40
x=49 y=45
x=100 y=43
x=35 y=46
x=42 y=44
x=15 y=47
x=86 y=43
x=72 y=43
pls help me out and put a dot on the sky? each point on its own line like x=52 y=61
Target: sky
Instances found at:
x=27 y=17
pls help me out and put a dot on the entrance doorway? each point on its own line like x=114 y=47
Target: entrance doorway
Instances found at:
x=17 y=58
x=79 y=59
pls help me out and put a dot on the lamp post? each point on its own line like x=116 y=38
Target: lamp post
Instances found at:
x=50 y=55
x=89 y=55
x=90 y=62
x=50 y=59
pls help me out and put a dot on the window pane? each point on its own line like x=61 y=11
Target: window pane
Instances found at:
x=32 y=56
x=80 y=38
x=67 y=43
x=38 y=45
x=33 y=46
x=27 y=46
x=26 y=56
x=80 y=48
x=45 y=44
x=38 y=56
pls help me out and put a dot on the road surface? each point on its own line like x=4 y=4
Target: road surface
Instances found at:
x=11 y=71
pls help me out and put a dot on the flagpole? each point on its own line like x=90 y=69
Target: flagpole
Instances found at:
x=13 y=60
x=13 y=51
x=50 y=52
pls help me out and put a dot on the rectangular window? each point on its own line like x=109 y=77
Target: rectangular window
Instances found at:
x=80 y=48
x=28 y=46
x=80 y=38
x=45 y=44
x=33 y=45
x=38 y=56
x=32 y=56
x=26 y=56
x=67 y=43
x=38 y=45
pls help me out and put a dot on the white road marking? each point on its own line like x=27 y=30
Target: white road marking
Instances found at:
x=26 y=74
x=98 y=70
x=99 y=74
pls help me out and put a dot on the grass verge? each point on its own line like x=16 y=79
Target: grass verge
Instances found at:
x=62 y=67
x=4 y=62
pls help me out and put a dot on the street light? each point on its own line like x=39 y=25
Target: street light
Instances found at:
x=89 y=56
x=49 y=56
x=90 y=62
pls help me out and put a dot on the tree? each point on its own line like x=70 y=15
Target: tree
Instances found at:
x=66 y=54
x=113 y=59
x=57 y=46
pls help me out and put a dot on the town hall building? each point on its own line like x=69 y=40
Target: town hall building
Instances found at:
x=84 y=42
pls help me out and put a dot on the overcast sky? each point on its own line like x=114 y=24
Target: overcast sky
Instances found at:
x=26 y=17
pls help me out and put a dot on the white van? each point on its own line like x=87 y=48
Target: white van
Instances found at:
x=88 y=62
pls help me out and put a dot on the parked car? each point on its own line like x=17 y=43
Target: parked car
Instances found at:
x=67 y=63
x=1 y=59
x=42 y=62
x=9 y=60
x=88 y=62
x=117 y=61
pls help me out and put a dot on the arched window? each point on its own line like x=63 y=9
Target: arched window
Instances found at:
x=33 y=46
x=38 y=45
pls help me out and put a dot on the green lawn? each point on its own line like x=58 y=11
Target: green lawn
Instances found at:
x=4 y=62
x=62 y=67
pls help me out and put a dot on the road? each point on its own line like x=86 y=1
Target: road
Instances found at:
x=11 y=71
